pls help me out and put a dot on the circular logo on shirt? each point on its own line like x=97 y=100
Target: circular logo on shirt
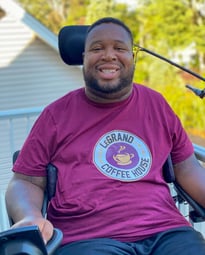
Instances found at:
x=122 y=156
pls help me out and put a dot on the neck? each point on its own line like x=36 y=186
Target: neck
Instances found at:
x=105 y=98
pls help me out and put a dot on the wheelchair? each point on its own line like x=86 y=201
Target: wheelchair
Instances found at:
x=27 y=240
x=71 y=45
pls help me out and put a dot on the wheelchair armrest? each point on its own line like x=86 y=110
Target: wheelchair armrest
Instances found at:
x=28 y=240
x=52 y=176
x=199 y=212
x=15 y=156
x=55 y=241
x=168 y=170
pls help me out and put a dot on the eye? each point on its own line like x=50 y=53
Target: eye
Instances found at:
x=120 y=48
x=96 y=48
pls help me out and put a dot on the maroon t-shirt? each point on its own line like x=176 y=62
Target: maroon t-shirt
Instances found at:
x=109 y=159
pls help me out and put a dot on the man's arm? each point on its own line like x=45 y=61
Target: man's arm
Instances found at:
x=24 y=199
x=191 y=176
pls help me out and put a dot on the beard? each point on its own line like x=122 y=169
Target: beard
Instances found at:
x=107 y=88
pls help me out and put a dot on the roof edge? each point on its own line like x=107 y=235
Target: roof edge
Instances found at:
x=13 y=8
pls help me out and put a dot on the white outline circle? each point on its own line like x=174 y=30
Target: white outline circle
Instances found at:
x=122 y=173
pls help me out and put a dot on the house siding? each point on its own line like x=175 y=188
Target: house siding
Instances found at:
x=32 y=73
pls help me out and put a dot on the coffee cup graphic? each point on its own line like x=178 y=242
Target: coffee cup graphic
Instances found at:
x=123 y=158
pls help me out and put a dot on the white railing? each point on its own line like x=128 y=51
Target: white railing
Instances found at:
x=184 y=207
x=14 y=127
x=20 y=120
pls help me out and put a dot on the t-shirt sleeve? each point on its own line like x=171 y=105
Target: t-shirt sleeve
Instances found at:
x=182 y=146
x=38 y=148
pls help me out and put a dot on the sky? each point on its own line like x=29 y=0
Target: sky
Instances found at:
x=132 y=3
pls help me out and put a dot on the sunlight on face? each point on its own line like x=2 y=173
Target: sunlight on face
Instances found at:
x=108 y=60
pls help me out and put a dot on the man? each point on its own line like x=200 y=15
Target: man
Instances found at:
x=109 y=142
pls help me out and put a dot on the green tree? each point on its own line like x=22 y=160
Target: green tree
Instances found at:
x=98 y=9
x=166 y=27
x=176 y=24
x=76 y=13
x=56 y=13
x=198 y=19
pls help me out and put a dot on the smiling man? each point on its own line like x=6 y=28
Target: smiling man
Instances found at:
x=108 y=63
x=109 y=141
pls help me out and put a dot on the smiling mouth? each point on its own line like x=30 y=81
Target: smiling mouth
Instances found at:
x=108 y=70
x=108 y=73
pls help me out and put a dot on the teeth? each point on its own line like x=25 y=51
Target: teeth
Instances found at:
x=108 y=70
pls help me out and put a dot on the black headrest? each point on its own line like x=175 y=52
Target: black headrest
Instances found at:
x=71 y=42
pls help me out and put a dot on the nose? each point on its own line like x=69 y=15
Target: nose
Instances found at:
x=109 y=54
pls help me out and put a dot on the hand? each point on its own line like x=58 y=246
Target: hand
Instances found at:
x=45 y=226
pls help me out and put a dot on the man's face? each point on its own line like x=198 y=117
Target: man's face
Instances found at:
x=108 y=59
